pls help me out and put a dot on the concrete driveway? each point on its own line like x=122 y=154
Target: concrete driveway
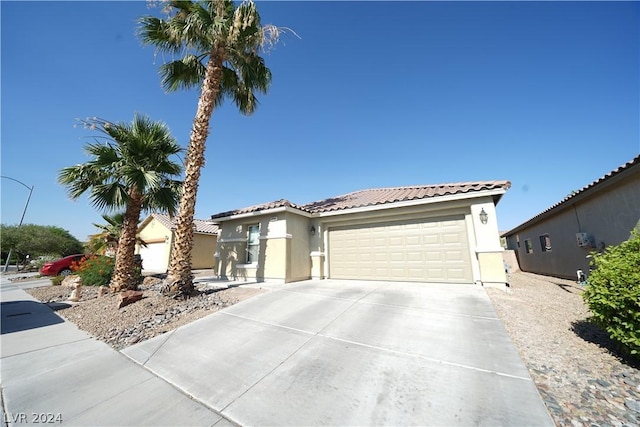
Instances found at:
x=352 y=353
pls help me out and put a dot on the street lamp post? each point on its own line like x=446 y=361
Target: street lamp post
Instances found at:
x=24 y=211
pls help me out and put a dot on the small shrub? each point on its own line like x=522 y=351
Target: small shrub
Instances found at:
x=57 y=280
x=94 y=270
x=613 y=292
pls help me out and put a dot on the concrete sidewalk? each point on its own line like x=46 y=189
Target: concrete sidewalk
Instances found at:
x=55 y=374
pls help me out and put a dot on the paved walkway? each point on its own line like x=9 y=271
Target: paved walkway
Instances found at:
x=54 y=374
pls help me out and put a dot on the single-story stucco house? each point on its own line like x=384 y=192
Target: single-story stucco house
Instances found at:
x=432 y=233
x=157 y=231
x=558 y=241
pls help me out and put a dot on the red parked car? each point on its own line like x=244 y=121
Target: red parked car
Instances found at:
x=60 y=267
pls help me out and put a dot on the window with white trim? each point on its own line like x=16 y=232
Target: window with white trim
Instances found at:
x=253 y=243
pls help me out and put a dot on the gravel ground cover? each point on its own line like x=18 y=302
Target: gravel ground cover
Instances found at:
x=153 y=315
x=582 y=378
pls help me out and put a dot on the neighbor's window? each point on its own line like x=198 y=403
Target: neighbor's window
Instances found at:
x=545 y=243
x=528 y=246
x=253 y=243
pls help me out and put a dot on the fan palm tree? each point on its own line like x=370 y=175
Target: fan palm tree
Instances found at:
x=130 y=169
x=219 y=46
x=109 y=234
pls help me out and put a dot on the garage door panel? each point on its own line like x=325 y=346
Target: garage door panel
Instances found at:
x=154 y=257
x=427 y=250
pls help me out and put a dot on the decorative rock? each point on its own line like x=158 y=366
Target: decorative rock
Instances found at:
x=128 y=297
x=71 y=280
x=151 y=281
x=102 y=290
x=634 y=405
x=77 y=290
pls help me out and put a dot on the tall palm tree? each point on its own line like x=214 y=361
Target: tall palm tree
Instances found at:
x=130 y=169
x=219 y=46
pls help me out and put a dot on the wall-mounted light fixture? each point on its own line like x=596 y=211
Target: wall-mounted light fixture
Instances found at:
x=484 y=218
x=312 y=230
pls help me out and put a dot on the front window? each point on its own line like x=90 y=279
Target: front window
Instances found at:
x=253 y=243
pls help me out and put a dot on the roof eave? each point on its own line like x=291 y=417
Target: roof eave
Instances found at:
x=261 y=212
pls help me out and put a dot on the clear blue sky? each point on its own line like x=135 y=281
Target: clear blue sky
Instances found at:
x=373 y=94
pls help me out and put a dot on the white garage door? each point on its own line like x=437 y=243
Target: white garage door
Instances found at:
x=417 y=250
x=154 y=258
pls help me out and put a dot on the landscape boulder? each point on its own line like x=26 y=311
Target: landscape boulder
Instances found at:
x=128 y=297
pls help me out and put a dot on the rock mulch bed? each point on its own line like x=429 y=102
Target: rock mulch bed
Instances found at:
x=153 y=315
x=582 y=377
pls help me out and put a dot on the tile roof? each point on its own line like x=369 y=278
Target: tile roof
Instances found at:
x=202 y=226
x=375 y=196
x=255 y=208
x=580 y=193
x=379 y=196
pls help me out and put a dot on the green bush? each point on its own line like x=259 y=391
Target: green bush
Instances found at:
x=94 y=270
x=613 y=292
x=57 y=280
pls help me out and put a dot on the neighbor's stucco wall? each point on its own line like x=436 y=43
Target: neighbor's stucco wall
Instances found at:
x=609 y=216
x=155 y=234
x=204 y=246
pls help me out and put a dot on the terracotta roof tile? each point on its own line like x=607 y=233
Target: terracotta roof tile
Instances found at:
x=376 y=196
x=255 y=208
x=379 y=196
x=202 y=226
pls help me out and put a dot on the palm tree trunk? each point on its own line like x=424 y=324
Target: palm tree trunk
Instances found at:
x=125 y=276
x=180 y=267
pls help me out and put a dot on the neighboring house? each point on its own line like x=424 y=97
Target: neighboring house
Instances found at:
x=157 y=232
x=557 y=241
x=436 y=233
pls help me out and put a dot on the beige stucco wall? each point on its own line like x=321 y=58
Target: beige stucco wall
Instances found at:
x=488 y=249
x=299 y=267
x=273 y=254
x=609 y=216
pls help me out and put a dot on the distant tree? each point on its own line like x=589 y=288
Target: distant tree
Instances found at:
x=219 y=43
x=37 y=240
x=132 y=169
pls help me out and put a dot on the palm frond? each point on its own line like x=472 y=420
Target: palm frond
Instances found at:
x=109 y=196
x=157 y=32
x=185 y=73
